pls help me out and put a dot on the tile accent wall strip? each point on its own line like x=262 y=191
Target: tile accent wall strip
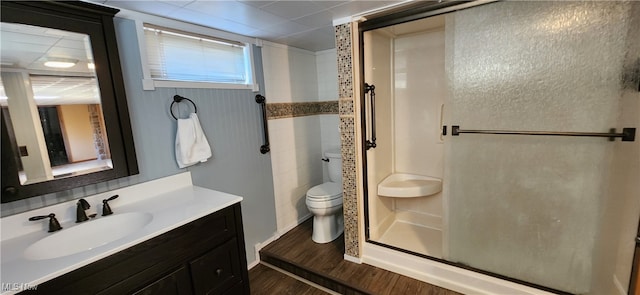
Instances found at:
x=345 y=60
x=347 y=135
x=299 y=109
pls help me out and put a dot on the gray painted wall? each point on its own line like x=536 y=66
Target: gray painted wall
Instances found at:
x=231 y=120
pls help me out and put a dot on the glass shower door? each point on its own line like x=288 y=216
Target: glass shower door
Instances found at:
x=533 y=208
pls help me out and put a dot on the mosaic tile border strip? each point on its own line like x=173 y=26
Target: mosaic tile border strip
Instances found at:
x=345 y=60
x=299 y=109
x=349 y=184
x=347 y=137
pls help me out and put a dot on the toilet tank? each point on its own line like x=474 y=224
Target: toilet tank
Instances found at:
x=334 y=165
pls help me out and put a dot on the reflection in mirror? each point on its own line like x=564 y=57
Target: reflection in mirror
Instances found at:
x=51 y=103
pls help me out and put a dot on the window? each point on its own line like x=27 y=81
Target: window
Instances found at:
x=177 y=56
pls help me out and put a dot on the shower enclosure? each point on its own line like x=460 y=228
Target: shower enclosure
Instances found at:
x=505 y=140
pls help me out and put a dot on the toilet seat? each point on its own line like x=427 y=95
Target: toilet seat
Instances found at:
x=327 y=191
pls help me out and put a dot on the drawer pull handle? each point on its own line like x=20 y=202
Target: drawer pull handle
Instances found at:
x=219 y=271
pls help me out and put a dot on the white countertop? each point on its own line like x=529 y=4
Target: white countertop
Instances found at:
x=172 y=201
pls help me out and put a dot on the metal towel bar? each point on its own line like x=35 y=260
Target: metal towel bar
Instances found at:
x=628 y=134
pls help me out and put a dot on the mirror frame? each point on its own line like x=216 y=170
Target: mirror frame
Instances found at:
x=97 y=22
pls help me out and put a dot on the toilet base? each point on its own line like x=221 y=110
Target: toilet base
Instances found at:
x=327 y=228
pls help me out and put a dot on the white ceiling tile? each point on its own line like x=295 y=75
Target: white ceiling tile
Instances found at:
x=230 y=26
x=323 y=38
x=262 y=34
x=293 y=9
x=287 y=28
x=256 y=3
x=320 y=19
x=236 y=11
x=213 y=22
x=329 y=4
x=178 y=3
x=356 y=7
x=298 y=20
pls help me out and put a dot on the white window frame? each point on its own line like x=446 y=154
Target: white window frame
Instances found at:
x=148 y=83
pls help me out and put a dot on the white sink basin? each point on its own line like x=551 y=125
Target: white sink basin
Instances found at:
x=88 y=235
x=403 y=185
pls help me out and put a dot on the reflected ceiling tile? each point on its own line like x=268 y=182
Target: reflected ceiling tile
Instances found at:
x=150 y=7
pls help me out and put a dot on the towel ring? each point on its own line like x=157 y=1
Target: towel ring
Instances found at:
x=178 y=99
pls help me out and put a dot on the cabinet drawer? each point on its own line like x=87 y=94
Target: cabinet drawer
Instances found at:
x=217 y=270
x=175 y=283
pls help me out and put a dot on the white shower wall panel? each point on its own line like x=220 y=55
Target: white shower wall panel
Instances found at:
x=378 y=70
x=420 y=92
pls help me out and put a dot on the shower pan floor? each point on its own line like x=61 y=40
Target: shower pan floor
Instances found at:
x=415 y=238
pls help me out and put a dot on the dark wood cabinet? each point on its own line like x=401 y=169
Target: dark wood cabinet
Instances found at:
x=206 y=256
x=175 y=283
x=216 y=271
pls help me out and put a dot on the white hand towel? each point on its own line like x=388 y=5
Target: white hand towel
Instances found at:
x=191 y=144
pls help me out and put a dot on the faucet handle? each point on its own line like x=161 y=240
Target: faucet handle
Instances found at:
x=82 y=203
x=54 y=225
x=106 y=209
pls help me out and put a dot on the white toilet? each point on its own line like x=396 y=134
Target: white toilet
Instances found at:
x=325 y=202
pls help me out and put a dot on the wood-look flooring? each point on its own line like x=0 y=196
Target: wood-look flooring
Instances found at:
x=324 y=265
x=264 y=280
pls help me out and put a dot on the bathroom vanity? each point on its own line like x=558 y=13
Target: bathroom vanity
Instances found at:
x=187 y=240
x=201 y=257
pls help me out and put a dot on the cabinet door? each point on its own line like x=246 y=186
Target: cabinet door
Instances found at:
x=217 y=270
x=175 y=283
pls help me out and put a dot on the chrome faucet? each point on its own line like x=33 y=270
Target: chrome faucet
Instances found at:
x=80 y=214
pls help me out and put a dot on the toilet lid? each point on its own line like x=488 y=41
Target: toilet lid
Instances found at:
x=327 y=190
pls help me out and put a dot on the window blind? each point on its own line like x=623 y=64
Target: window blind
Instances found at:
x=176 y=55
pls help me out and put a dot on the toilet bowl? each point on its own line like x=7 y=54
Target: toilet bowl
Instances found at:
x=324 y=201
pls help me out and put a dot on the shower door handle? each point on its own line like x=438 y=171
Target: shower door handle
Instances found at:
x=370 y=89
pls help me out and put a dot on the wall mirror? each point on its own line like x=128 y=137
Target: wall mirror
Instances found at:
x=64 y=114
